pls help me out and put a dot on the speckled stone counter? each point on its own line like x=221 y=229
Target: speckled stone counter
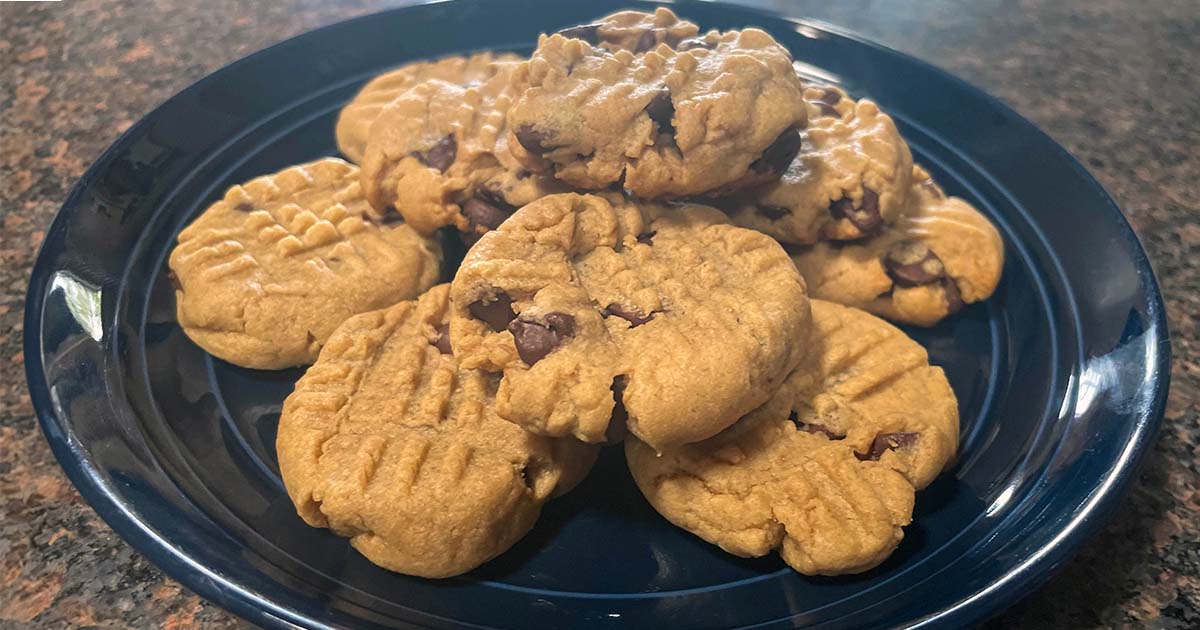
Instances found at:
x=1116 y=82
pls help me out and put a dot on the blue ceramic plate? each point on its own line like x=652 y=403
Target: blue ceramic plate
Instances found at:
x=1061 y=376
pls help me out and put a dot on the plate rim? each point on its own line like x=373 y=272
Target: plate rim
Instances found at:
x=245 y=602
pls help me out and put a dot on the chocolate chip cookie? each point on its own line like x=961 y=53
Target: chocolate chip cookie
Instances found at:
x=264 y=276
x=714 y=112
x=438 y=155
x=826 y=471
x=354 y=121
x=940 y=255
x=388 y=442
x=601 y=311
x=635 y=31
x=850 y=180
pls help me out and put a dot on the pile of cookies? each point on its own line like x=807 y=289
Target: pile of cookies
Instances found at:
x=674 y=243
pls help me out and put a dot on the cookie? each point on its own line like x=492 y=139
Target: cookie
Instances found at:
x=719 y=111
x=850 y=179
x=264 y=276
x=635 y=31
x=388 y=442
x=354 y=121
x=826 y=471
x=438 y=155
x=940 y=255
x=662 y=318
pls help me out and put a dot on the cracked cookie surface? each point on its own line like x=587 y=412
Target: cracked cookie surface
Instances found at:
x=716 y=111
x=826 y=472
x=850 y=180
x=438 y=155
x=354 y=121
x=388 y=442
x=263 y=276
x=598 y=308
x=939 y=256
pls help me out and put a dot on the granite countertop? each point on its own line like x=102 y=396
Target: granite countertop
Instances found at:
x=1116 y=82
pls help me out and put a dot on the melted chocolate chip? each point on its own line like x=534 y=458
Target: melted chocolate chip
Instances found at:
x=496 y=312
x=534 y=140
x=244 y=206
x=865 y=217
x=485 y=212
x=440 y=155
x=773 y=213
x=661 y=110
x=630 y=315
x=954 y=301
x=618 y=426
x=911 y=263
x=826 y=102
x=535 y=340
x=781 y=152
x=589 y=33
x=442 y=342
x=646 y=238
x=646 y=41
x=812 y=427
x=887 y=442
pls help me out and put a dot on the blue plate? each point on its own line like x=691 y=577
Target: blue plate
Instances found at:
x=1061 y=376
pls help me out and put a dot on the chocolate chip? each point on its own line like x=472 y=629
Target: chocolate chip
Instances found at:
x=534 y=140
x=865 y=217
x=174 y=280
x=442 y=343
x=535 y=340
x=440 y=155
x=627 y=314
x=887 y=442
x=647 y=238
x=696 y=42
x=911 y=263
x=589 y=33
x=812 y=427
x=645 y=42
x=495 y=311
x=661 y=110
x=954 y=299
x=826 y=102
x=485 y=213
x=777 y=156
x=618 y=426
x=244 y=206
x=773 y=213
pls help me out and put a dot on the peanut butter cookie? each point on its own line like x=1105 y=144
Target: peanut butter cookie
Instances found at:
x=940 y=255
x=438 y=155
x=719 y=111
x=634 y=31
x=599 y=308
x=264 y=276
x=354 y=121
x=386 y=441
x=850 y=179
x=826 y=471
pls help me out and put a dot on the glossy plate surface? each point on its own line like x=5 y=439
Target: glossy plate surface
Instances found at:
x=1061 y=376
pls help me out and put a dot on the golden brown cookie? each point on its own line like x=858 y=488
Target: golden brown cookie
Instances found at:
x=386 y=441
x=850 y=179
x=940 y=255
x=264 y=276
x=597 y=308
x=354 y=121
x=827 y=470
x=718 y=111
x=635 y=31
x=438 y=155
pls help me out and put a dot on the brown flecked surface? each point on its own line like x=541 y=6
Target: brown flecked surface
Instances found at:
x=1115 y=82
